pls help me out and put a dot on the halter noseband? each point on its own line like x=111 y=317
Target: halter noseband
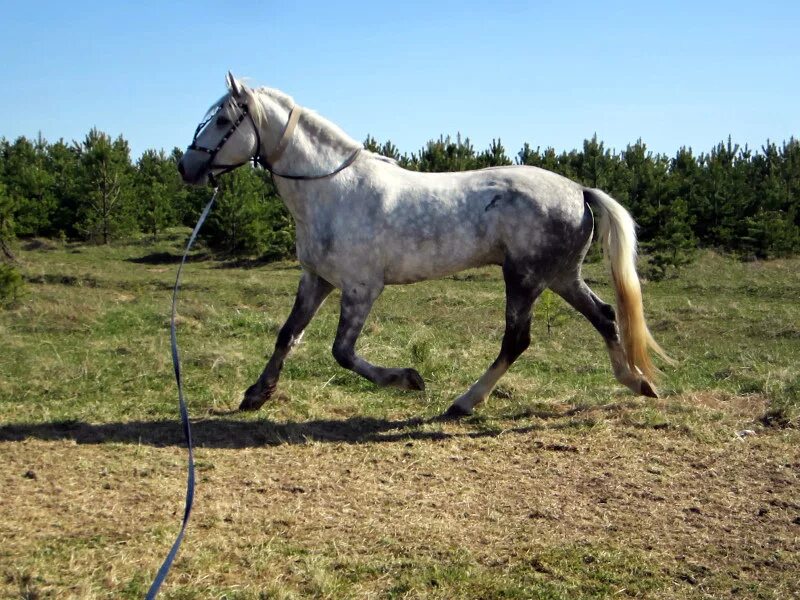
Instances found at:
x=257 y=158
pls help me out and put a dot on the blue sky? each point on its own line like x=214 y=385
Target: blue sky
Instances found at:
x=549 y=73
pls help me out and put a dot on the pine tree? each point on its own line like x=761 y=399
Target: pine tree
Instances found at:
x=387 y=149
x=446 y=155
x=63 y=163
x=242 y=221
x=725 y=195
x=187 y=200
x=11 y=283
x=105 y=210
x=6 y=225
x=29 y=184
x=154 y=194
x=494 y=156
x=771 y=228
x=371 y=144
x=280 y=238
x=647 y=189
x=674 y=245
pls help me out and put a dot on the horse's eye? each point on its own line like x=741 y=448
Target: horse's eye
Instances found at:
x=223 y=121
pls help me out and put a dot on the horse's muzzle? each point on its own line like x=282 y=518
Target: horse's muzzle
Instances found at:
x=192 y=175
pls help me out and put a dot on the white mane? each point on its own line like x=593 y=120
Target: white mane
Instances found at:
x=325 y=131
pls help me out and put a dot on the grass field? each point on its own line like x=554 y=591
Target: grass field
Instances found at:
x=563 y=485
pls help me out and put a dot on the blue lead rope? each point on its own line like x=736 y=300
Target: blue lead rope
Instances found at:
x=187 y=429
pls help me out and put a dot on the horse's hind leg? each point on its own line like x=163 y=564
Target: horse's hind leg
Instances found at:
x=310 y=295
x=357 y=300
x=602 y=316
x=522 y=289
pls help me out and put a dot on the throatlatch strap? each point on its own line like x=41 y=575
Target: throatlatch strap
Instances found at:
x=187 y=428
x=294 y=117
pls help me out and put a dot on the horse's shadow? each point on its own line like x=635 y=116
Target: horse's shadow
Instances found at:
x=226 y=432
x=167 y=258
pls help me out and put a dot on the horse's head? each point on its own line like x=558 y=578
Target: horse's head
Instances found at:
x=225 y=139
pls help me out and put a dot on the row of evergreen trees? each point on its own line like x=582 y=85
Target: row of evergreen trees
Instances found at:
x=730 y=197
x=91 y=190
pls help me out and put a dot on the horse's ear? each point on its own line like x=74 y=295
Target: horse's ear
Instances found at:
x=233 y=85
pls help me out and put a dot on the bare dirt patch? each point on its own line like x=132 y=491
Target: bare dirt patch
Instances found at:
x=380 y=507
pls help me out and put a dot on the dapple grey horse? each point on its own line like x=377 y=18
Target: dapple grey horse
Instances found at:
x=363 y=222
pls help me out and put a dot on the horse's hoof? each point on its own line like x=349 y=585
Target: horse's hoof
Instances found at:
x=646 y=389
x=414 y=380
x=455 y=412
x=254 y=398
x=405 y=379
x=252 y=402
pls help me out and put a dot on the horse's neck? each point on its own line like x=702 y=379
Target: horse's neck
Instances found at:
x=316 y=147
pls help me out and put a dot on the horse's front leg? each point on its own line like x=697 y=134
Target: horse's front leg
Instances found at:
x=310 y=295
x=357 y=300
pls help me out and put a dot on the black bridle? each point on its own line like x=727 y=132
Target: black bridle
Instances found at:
x=257 y=157
x=212 y=152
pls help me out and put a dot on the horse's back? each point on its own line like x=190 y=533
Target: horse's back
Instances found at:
x=434 y=224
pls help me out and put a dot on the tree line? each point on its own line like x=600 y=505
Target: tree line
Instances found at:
x=731 y=197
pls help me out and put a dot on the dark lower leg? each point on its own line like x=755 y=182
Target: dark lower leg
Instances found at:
x=310 y=295
x=517 y=337
x=603 y=317
x=356 y=304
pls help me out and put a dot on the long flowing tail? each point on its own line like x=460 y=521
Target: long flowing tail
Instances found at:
x=617 y=233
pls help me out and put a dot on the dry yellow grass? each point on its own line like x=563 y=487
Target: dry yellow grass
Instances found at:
x=292 y=509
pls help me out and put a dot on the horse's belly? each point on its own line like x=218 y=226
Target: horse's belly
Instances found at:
x=423 y=259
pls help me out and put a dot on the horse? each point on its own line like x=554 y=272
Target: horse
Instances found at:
x=363 y=222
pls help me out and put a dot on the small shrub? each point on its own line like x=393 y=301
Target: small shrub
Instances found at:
x=10 y=285
x=553 y=310
x=675 y=245
x=420 y=351
x=784 y=403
